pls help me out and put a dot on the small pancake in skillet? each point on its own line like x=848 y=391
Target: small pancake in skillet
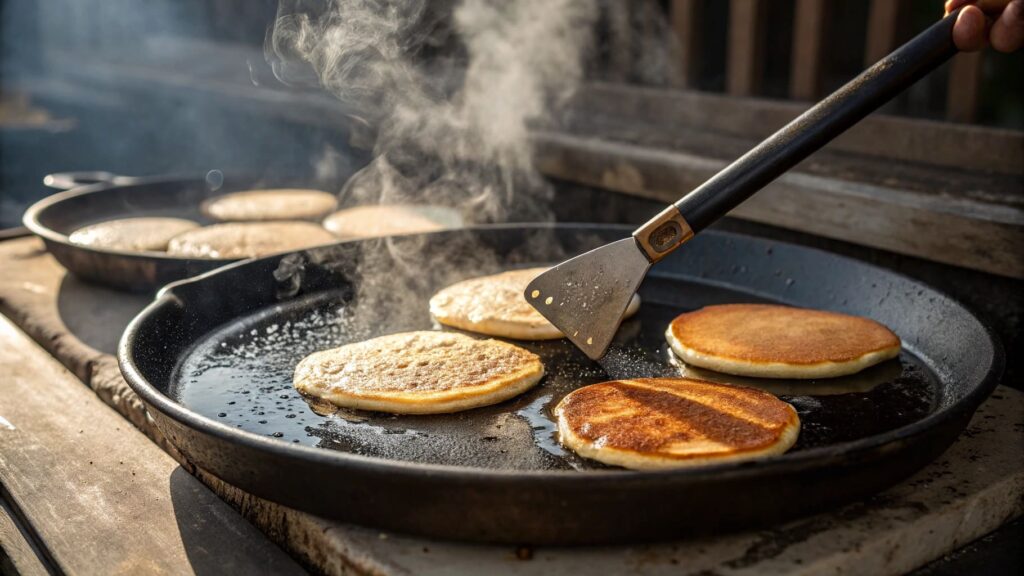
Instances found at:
x=418 y=373
x=248 y=239
x=768 y=341
x=270 y=204
x=495 y=305
x=390 y=220
x=132 y=234
x=659 y=423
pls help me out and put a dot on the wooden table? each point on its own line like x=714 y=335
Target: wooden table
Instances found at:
x=83 y=492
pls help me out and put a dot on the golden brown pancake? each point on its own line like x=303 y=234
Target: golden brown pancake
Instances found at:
x=133 y=234
x=495 y=305
x=248 y=239
x=769 y=341
x=270 y=204
x=390 y=220
x=657 y=423
x=419 y=373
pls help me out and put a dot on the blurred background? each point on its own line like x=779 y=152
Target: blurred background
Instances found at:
x=626 y=105
x=181 y=86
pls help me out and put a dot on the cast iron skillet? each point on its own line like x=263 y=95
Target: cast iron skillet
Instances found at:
x=92 y=197
x=212 y=360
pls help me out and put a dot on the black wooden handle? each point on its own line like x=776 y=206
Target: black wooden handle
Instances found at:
x=819 y=125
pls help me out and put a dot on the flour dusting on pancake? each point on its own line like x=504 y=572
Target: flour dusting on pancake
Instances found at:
x=146 y=234
x=770 y=341
x=422 y=372
x=495 y=305
x=657 y=423
x=248 y=239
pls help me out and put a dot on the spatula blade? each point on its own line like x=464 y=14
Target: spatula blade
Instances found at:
x=586 y=297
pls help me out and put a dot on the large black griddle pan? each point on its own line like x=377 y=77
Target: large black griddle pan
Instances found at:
x=463 y=486
x=92 y=197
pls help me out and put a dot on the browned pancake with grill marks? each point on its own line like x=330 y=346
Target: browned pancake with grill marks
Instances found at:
x=770 y=341
x=419 y=373
x=652 y=423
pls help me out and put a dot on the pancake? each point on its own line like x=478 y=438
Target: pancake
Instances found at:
x=270 y=204
x=247 y=239
x=769 y=341
x=860 y=383
x=390 y=220
x=418 y=373
x=132 y=234
x=495 y=305
x=658 y=423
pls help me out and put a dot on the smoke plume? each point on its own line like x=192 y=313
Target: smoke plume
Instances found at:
x=442 y=93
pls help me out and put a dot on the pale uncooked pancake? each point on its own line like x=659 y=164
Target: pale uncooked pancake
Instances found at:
x=133 y=234
x=769 y=341
x=390 y=220
x=419 y=373
x=658 y=423
x=495 y=305
x=270 y=204
x=248 y=239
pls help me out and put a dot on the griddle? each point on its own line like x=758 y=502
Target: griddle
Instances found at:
x=212 y=358
x=92 y=197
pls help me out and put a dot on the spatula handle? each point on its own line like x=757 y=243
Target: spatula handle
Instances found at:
x=819 y=125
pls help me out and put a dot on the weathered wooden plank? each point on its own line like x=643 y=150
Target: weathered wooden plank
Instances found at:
x=940 y=144
x=18 y=554
x=102 y=498
x=745 y=58
x=965 y=233
x=893 y=138
x=964 y=87
x=884 y=20
x=808 y=49
x=685 y=17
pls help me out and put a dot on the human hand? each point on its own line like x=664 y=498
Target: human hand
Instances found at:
x=972 y=30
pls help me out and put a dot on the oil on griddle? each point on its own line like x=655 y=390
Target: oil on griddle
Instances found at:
x=241 y=375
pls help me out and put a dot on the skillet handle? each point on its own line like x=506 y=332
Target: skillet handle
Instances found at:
x=818 y=125
x=69 y=180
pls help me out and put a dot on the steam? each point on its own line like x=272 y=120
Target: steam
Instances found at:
x=443 y=96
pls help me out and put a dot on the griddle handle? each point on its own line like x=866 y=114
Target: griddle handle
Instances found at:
x=819 y=125
x=69 y=180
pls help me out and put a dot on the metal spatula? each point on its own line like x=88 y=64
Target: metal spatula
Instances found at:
x=585 y=297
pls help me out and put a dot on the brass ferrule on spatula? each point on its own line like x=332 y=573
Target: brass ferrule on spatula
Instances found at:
x=663 y=234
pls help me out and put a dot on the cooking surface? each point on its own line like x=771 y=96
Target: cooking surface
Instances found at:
x=384 y=285
x=241 y=375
